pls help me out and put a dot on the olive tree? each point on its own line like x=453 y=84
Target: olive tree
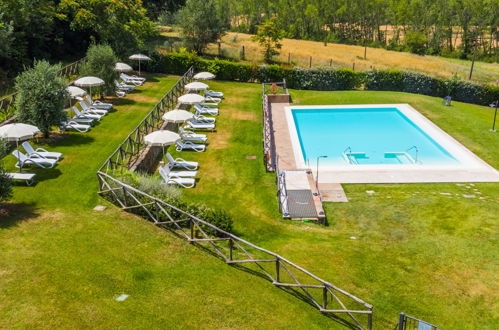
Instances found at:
x=41 y=95
x=100 y=62
x=201 y=24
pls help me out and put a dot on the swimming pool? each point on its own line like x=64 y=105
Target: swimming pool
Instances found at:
x=367 y=137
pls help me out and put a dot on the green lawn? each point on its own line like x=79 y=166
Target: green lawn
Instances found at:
x=430 y=255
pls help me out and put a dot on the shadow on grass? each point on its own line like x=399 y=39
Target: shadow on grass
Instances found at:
x=74 y=139
x=122 y=101
x=13 y=213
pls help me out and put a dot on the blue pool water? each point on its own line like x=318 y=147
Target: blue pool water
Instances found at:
x=365 y=136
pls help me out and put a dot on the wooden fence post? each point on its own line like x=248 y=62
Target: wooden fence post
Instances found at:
x=243 y=53
x=310 y=64
x=277 y=270
x=289 y=58
x=231 y=245
x=331 y=62
x=353 y=66
x=219 y=49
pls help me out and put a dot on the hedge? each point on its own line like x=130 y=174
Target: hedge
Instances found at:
x=329 y=79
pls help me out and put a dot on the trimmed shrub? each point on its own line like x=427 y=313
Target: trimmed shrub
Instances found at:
x=324 y=79
x=328 y=79
x=5 y=181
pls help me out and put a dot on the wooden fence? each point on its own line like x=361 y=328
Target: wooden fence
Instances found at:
x=128 y=151
x=7 y=102
x=334 y=302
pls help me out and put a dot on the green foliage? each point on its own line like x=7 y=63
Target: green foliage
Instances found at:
x=201 y=24
x=170 y=194
x=6 y=37
x=100 y=62
x=5 y=182
x=121 y=23
x=166 y=18
x=41 y=96
x=416 y=42
x=331 y=79
x=5 y=185
x=269 y=36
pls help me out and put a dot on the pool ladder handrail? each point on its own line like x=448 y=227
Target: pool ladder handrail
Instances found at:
x=348 y=156
x=416 y=161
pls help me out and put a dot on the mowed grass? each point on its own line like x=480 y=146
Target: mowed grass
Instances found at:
x=62 y=265
x=423 y=249
x=342 y=55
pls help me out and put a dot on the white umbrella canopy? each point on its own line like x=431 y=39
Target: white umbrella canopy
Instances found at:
x=139 y=57
x=177 y=116
x=204 y=76
x=191 y=99
x=122 y=67
x=18 y=132
x=89 y=81
x=161 y=138
x=75 y=91
x=196 y=86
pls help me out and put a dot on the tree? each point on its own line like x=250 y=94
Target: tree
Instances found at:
x=100 y=63
x=123 y=24
x=6 y=37
x=201 y=24
x=416 y=42
x=269 y=37
x=41 y=96
x=5 y=181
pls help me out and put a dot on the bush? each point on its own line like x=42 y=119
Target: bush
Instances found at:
x=100 y=62
x=41 y=96
x=329 y=79
x=416 y=42
x=5 y=181
x=324 y=79
x=173 y=196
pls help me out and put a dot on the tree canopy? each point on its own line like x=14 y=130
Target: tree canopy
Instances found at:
x=41 y=96
x=201 y=23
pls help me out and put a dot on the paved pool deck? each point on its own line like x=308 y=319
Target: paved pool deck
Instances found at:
x=329 y=178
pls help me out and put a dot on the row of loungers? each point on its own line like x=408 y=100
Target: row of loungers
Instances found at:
x=38 y=157
x=91 y=111
x=179 y=171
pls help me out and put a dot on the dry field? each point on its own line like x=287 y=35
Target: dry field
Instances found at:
x=339 y=55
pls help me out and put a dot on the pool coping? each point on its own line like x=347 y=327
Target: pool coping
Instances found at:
x=470 y=168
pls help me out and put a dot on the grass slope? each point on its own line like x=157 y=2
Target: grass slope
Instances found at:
x=417 y=251
x=62 y=264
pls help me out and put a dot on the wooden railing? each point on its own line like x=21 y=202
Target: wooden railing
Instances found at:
x=7 y=102
x=128 y=151
x=233 y=250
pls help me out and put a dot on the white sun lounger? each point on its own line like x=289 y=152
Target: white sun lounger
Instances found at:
x=40 y=152
x=92 y=110
x=124 y=87
x=168 y=178
x=22 y=160
x=202 y=119
x=72 y=124
x=188 y=135
x=214 y=94
x=80 y=115
x=98 y=104
x=205 y=110
x=132 y=79
x=29 y=178
x=179 y=162
x=197 y=125
x=182 y=174
x=187 y=145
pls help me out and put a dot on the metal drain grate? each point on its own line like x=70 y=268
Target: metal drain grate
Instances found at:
x=301 y=204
